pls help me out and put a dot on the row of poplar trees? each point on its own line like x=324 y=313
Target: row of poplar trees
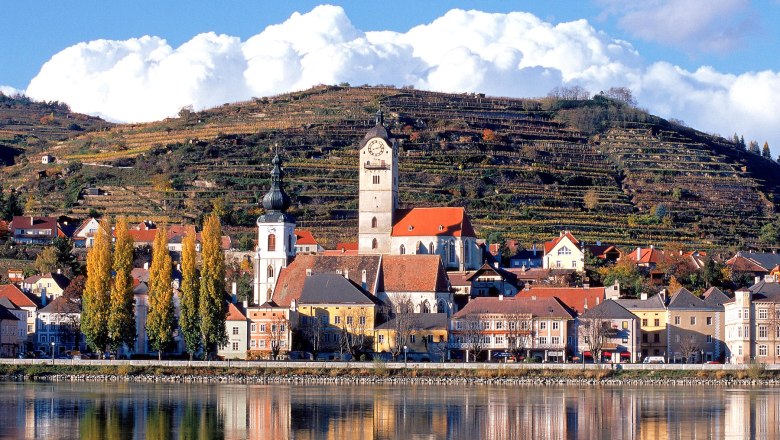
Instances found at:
x=108 y=315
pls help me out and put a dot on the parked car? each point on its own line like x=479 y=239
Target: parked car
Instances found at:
x=654 y=360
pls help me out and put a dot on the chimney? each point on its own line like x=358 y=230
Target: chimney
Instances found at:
x=233 y=291
x=534 y=249
x=501 y=297
x=643 y=296
x=638 y=254
x=346 y=273
x=59 y=271
x=533 y=297
x=308 y=272
x=597 y=300
x=586 y=285
x=43 y=299
x=146 y=266
x=495 y=264
x=757 y=280
x=245 y=304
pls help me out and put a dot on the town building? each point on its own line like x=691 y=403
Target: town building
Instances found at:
x=752 y=324
x=305 y=243
x=47 y=287
x=11 y=339
x=34 y=230
x=84 y=236
x=652 y=315
x=608 y=333
x=564 y=253
x=59 y=326
x=421 y=337
x=695 y=329
x=237 y=328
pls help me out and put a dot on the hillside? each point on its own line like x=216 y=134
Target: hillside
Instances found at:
x=525 y=168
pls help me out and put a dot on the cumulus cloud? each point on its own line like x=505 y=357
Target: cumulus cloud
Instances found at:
x=10 y=91
x=709 y=25
x=515 y=54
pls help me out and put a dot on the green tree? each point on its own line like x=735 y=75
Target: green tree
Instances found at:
x=188 y=315
x=626 y=273
x=160 y=321
x=121 y=317
x=770 y=233
x=65 y=258
x=96 y=296
x=212 y=305
x=46 y=261
x=12 y=206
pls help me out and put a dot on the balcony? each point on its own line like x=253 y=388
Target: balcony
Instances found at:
x=376 y=165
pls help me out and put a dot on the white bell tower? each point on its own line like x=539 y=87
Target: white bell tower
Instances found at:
x=275 y=237
x=378 y=189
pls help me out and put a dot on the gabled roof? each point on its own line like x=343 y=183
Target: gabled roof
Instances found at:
x=532 y=274
x=654 y=302
x=753 y=261
x=608 y=309
x=234 y=314
x=82 y=229
x=142 y=235
x=528 y=254
x=350 y=248
x=428 y=222
x=420 y=321
x=332 y=288
x=6 y=315
x=59 y=279
x=578 y=299
x=413 y=273
x=61 y=305
x=647 y=256
x=31 y=222
x=291 y=279
x=304 y=237
x=547 y=307
x=548 y=246
x=685 y=300
x=600 y=251
x=5 y=302
x=16 y=296
x=714 y=297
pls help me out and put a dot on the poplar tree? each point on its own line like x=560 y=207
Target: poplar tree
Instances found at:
x=189 y=321
x=96 y=296
x=766 y=152
x=121 y=318
x=212 y=305
x=160 y=320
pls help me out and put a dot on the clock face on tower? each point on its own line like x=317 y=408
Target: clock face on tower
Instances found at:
x=376 y=147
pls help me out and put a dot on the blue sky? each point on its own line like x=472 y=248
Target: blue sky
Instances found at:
x=681 y=56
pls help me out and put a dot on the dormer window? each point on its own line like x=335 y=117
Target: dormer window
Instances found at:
x=411 y=228
x=564 y=251
x=441 y=227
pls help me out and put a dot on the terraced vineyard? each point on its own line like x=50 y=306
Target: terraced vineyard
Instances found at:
x=520 y=166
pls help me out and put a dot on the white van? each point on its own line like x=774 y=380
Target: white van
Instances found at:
x=654 y=360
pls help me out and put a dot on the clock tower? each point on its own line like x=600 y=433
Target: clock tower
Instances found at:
x=378 y=189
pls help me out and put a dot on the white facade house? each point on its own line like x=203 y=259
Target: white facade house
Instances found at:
x=753 y=324
x=564 y=253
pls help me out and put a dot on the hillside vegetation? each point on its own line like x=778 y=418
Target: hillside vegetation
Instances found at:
x=524 y=168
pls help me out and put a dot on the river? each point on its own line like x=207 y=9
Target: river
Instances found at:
x=199 y=411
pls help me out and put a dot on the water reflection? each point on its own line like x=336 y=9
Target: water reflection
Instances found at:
x=190 y=411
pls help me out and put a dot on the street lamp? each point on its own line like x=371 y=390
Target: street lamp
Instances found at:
x=52 y=352
x=405 y=348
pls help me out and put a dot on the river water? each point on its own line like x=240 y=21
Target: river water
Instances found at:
x=408 y=412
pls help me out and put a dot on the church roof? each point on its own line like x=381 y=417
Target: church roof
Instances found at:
x=429 y=222
x=331 y=288
x=413 y=273
x=377 y=131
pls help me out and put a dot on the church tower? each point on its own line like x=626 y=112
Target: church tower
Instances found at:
x=275 y=237
x=378 y=189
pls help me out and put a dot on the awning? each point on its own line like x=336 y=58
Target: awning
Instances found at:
x=625 y=354
x=587 y=353
x=605 y=353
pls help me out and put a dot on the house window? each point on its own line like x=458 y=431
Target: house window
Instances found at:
x=262 y=328
x=337 y=320
x=362 y=320
x=762 y=350
x=381 y=339
x=374 y=244
x=499 y=325
x=349 y=320
x=486 y=325
x=543 y=325
x=499 y=339
x=625 y=325
x=676 y=320
x=235 y=330
x=402 y=250
x=542 y=340
x=458 y=325
x=656 y=338
x=564 y=251
x=762 y=333
x=271 y=242
x=570 y=340
x=235 y=346
x=556 y=340
x=555 y=325
x=376 y=180
x=693 y=320
x=709 y=338
x=253 y=343
x=430 y=248
x=262 y=344
x=739 y=350
x=412 y=339
x=270 y=271
x=657 y=322
x=709 y=320
x=558 y=264
x=677 y=338
x=644 y=338
x=373 y=222
x=254 y=328
x=644 y=322
x=763 y=314
x=452 y=251
x=777 y=350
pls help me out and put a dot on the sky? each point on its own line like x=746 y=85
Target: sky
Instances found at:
x=710 y=63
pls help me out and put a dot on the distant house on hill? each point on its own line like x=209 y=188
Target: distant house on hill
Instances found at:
x=35 y=230
x=305 y=242
x=564 y=253
x=84 y=236
x=756 y=264
x=528 y=258
x=47 y=287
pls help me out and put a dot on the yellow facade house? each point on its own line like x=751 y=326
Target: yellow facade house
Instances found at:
x=653 y=320
x=335 y=316
x=423 y=334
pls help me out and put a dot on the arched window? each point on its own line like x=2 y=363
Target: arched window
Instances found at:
x=452 y=251
x=564 y=251
x=402 y=250
x=289 y=243
x=271 y=242
x=270 y=271
x=373 y=222
x=374 y=244
x=430 y=248
x=419 y=247
x=466 y=252
x=425 y=308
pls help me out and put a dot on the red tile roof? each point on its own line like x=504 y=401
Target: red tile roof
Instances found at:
x=740 y=263
x=647 y=256
x=548 y=246
x=16 y=296
x=551 y=307
x=233 y=314
x=343 y=249
x=142 y=235
x=427 y=222
x=30 y=222
x=576 y=298
x=304 y=237
x=413 y=273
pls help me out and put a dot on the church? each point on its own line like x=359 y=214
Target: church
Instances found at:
x=403 y=254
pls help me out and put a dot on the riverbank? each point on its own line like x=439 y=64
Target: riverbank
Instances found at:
x=377 y=373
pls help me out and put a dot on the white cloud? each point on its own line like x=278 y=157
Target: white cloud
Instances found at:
x=10 y=91
x=709 y=25
x=515 y=54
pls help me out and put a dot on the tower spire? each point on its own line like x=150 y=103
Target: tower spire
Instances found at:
x=276 y=200
x=380 y=120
